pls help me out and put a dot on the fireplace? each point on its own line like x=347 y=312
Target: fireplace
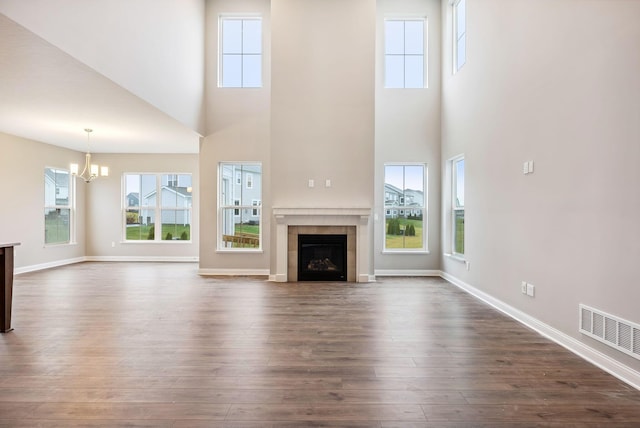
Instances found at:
x=322 y=257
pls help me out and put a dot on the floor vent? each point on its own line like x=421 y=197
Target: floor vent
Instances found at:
x=618 y=333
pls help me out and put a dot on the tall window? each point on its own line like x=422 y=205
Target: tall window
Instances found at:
x=152 y=197
x=240 y=52
x=459 y=34
x=405 y=207
x=404 y=53
x=240 y=210
x=457 y=209
x=58 y=206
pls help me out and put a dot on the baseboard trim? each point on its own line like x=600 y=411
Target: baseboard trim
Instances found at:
x=141 y=259
x=595 y=357
x=48 y=265
x=234 y=272
x=407 y=272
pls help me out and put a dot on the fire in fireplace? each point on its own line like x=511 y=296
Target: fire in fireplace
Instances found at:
x=322 y=257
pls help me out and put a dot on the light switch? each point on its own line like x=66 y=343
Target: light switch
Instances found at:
x=311 y=183
x=327 y=183
x=525 y=168
x=530 y=167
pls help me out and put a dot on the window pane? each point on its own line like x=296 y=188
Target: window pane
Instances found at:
x=461 y=52
x=394 y=37
x=459 y=190
x=57 y=225
x=241 y=231
x=252 y=36
x=231 y=36
x=404 y=229
x=232 y=71
x=62 y=187
x=252 y=71
x=394 y=71
x=414 y=71
x=148 y=190
x=140 y=225
x=458 y=232
x=414 y=185
x=414 y=38
x=176 y=225
x=461 y=18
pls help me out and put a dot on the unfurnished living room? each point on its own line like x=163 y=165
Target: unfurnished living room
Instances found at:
x=363 y=213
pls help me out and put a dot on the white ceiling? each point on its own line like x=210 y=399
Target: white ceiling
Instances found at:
x=46 y=95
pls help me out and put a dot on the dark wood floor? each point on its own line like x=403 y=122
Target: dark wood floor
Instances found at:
x=155 y=345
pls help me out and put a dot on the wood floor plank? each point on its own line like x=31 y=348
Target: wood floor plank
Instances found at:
x=156 y=345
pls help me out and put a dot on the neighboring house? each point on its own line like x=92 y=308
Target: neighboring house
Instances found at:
x=175 y=208
x=133 y=199
x=55 y=195
x=400 y=203
x=241 y=187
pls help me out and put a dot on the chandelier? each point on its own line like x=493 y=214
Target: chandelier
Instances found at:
x=90 y=171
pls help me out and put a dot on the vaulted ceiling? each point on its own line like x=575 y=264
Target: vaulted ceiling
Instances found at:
x=131 y=71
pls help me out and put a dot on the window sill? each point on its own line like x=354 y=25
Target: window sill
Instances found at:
x=60 y=244
x=177 y=241
x=456 y=257
x=403 y=252
x=239 y=250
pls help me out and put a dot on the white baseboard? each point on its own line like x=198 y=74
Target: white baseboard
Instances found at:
x=407 y=272
x=234 y=272
x=595 y=357
x=141 y=259
x=48 y=265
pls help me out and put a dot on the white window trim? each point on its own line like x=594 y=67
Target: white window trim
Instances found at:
x=249 y=16
x=449 y=211
x=72 y=212
x=220 y=248
x=395 y=208
x=425 y=52
x=157 y=208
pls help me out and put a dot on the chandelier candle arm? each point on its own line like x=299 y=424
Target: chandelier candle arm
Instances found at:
x=91 y=170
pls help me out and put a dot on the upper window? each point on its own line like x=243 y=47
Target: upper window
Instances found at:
x=404 y=53
x=240 y=210
x=152 y=197
x=240 y=52
x=405 y=207
x=459 y=34
x=58 y=206
x=457 y=209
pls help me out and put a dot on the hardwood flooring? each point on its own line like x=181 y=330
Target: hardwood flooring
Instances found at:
x=156 y=345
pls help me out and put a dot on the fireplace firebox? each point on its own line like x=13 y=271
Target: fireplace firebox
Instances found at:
x=322 y=257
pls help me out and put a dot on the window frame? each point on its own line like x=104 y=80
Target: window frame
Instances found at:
x=455 y=4
x=250 y=208
x=157 y=209
x=390 y=209
x=455 y=207
x=404 y=55
x=221 y=54
x=71 y=206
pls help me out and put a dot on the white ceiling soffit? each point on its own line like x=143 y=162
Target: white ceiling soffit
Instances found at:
x=48 y=96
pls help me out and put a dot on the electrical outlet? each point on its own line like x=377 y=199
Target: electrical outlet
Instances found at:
x=531 y=290
x=523 y=287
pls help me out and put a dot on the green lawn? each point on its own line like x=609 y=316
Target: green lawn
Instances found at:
x=141 y=232
x=459 y=234
x=401 y=241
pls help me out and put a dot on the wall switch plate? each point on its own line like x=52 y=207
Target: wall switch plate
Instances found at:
x=530 y=167
x=531 y=289
x=525 y=168
x=311 y=183
x=327 y=183
x=523 y=287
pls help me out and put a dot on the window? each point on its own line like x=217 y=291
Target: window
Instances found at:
x=404 y=53
x=58 y=206
x=405 y=207
x=163 y=197
x=457 y=209
x=459 y=34
x=240 y=52
x=240 y=210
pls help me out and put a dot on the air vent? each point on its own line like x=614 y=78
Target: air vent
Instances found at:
x=618 y=333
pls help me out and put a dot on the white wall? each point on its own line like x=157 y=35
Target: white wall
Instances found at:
x=105 y=202
x=237 y=129
x=153 y=48
x=407 y=127
x=555 y=82
x=22 y=164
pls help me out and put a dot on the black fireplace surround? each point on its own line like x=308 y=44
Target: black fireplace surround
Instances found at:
x=322 y=257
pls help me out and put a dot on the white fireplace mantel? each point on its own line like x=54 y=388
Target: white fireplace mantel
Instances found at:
x=358 y=217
